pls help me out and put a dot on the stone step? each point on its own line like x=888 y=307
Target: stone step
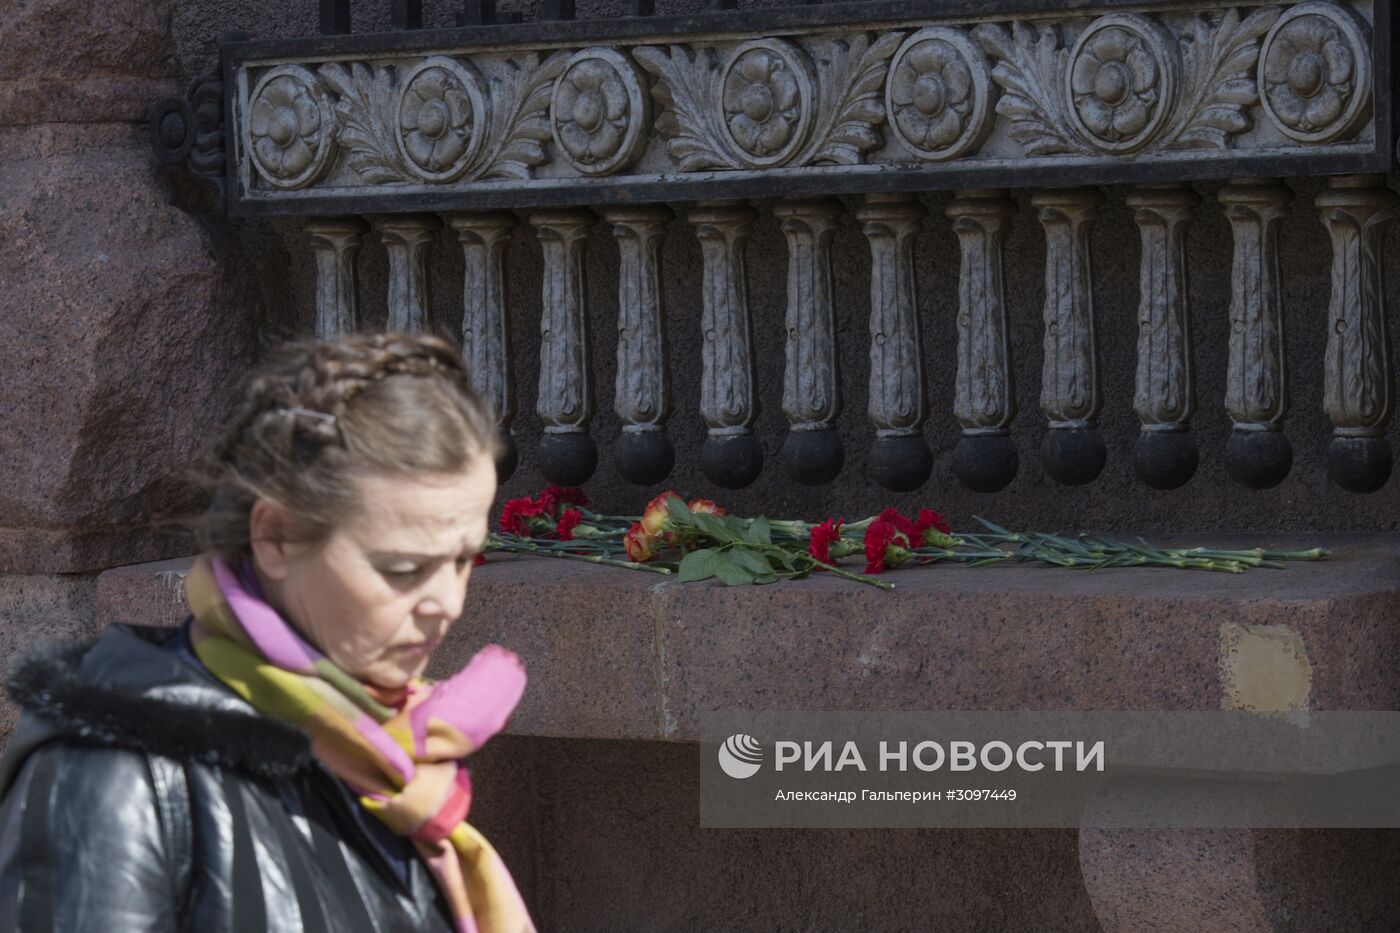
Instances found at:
x=619 y=654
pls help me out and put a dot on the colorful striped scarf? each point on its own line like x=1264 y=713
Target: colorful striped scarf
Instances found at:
x=404 y=763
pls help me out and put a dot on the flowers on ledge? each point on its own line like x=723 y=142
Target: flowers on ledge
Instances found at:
x=696 y=539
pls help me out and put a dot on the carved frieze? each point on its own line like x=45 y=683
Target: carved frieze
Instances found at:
x=938 y=95
x=599 y=112
x=289 y=127
x=771 y=102
x=1128 y=83
x=1315 y=72
x=435 y=121
x=843 y=101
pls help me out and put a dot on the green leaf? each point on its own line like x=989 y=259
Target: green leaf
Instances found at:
x=752 y=562
x=680 y=512
x=698 y=565
x=712 y=527
x=759 y=531
x=728 y=570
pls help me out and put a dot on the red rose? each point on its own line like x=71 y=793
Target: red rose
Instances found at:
x=478 y=560
x=823 y=536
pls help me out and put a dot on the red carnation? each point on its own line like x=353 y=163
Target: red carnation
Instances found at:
x=885 y=544
x=929 y=518
x=899 y=521
x=823 y=536
x=567 y=521
x=478 y=560
x=516 y=513
x=553 y=496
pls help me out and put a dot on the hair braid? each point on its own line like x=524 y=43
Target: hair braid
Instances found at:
x=392 y=402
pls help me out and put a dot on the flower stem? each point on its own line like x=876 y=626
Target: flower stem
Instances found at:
x=526 y=547
x=858 y=577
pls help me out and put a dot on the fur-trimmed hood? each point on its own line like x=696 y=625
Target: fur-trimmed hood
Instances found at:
x=124 y=690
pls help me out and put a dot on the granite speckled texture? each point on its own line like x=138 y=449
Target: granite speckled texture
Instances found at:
x=602 y=832
x=618 y=847
x=621 y=654
x=1242 y=881
x=38 y=608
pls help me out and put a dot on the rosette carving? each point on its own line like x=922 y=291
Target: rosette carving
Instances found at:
x=599 y=112
x=1122 y=81
x=1315 y=72
x=289 y=127
x=768 y=98
x=441 y=120
x=938 y=95
x=1128 y=84
x=442 y=110
x=773 y=102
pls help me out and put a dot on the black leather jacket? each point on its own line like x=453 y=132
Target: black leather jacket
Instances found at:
x=142 y=794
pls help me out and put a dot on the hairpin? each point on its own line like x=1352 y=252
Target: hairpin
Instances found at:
x=306 y=411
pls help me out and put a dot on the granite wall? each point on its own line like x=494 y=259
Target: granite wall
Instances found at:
x=129 y=309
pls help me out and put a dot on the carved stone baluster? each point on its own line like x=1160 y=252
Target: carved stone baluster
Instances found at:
x=1165 y=399
x=407 y=238
x=485 y=322
x=985 y=459
x=567 y=455
x=1256 y=393
x=900 y=459
x=642 y=399
x=336 y=243
x=1358 y=390
x=1073 y=450
x=732 y=457
x=812 y=452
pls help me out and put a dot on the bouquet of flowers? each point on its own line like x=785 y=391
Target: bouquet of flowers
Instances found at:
x=695 y=539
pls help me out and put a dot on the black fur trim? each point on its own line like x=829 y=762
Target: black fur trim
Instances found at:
x=48 y=682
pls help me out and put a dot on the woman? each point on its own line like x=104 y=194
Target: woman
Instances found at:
x=277 y=763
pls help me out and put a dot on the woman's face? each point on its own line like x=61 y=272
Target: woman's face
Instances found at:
x=378 y=593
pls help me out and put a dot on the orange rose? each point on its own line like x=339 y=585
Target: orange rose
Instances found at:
x=641 y=547
x=656 y=518
x=705 y=505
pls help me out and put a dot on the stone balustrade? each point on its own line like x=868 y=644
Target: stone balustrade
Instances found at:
x=567 y=124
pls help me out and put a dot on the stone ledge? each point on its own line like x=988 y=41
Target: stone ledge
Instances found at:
x=619 y=654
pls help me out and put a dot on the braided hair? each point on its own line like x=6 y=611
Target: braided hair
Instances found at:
x=319 y=413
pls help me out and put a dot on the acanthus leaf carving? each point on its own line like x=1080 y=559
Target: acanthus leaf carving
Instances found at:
x=846 y=107
x=363 y=119
x=1218 y=59
x=852 y=98
x=1220 y=86
x=686 y=94
x=1030 y=67
x=516 y=144
x=516 y=126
